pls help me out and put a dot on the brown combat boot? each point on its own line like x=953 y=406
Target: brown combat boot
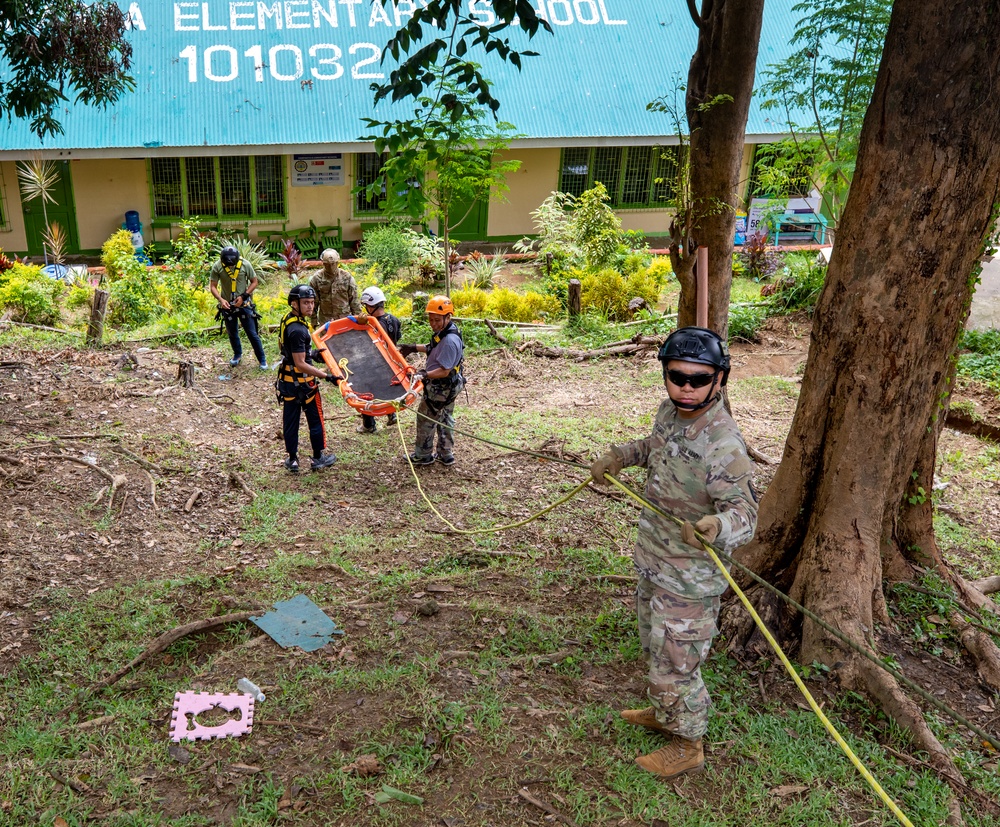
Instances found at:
x=677 y=757
x=645 y=717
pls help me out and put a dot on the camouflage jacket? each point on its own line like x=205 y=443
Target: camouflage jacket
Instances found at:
x=697 y=467
x=336 y=296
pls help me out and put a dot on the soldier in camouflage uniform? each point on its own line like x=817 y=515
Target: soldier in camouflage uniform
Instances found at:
x=698 y=470
x=336 y=290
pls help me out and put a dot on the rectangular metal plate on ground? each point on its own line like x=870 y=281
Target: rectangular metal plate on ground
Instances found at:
x=298 y=622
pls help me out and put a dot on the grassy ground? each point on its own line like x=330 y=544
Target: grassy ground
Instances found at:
x=472 y=668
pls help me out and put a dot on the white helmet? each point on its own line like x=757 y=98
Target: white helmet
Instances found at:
x=372 y=296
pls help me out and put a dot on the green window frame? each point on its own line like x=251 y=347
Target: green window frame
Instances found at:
x=765 y=156
x=240 y=187
x=636 y=177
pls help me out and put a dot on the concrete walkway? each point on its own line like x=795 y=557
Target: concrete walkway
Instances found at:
x=985 y=312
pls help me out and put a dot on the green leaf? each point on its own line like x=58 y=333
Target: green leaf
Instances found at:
x=392 y=794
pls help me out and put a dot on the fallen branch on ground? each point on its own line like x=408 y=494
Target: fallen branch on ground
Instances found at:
x=236 y=478
x=192 y=500
x=545 y=808
x=164 y=640
x=117 y=481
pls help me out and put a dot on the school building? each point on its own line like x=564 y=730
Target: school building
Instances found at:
x=248 y=115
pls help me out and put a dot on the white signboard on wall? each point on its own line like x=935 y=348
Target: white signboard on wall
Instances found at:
x=318 y=170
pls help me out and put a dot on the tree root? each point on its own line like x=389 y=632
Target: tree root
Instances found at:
x=116 y=480
x=988 y=585
x=902 y=709
x=981 y=648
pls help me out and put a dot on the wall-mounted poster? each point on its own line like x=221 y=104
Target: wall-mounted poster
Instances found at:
x=318 y=170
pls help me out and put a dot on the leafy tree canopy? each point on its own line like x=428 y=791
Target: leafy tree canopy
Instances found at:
x=50 y=49
x=824 y=89
x=444 y=57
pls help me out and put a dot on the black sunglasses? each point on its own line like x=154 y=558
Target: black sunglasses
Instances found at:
x=695 y=380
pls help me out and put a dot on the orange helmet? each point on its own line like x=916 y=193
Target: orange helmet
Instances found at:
x=441 y=305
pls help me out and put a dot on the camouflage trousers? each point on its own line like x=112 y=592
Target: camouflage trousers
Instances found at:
x=676 y=636
x=436 y=415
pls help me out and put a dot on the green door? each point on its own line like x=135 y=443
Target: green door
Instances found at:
x=62 y=212
x=473 y=226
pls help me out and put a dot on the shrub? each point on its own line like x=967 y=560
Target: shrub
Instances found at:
x=660 y=270
x=514 y=307
x=596 y=227
x=799 y=286
x=745 y=322
x=504 y=304
x=759 y=258
x=29 y=295
x=428 y=255
x=388 y=246
x=469 y=301
x=608 y=293
x=480 y=270
x=190 y=260
x=118 y=256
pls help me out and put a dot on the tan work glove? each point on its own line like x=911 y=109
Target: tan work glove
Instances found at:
x=709 y=528
x=610 y=463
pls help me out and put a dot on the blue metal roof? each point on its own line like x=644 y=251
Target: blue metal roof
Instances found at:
x=222 y=77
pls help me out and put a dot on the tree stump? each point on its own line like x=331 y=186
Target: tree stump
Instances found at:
x=185 y=374
x=95 y=328
x=573 y=301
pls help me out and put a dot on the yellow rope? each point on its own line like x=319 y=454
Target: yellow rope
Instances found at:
x=828 y=725
x=781 y=655
x=456 y=529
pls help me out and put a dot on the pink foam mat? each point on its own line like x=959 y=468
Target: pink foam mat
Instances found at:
x=188 y=706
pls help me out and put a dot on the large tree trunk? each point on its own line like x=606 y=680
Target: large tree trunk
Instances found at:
x=897 y=293
x=723 y=64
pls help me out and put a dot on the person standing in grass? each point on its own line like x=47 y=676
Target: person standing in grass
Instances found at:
x=698 y=471
x=373 y=300
x=336 y=291
x=296 y=385
x=443 y=381
x=232 y=281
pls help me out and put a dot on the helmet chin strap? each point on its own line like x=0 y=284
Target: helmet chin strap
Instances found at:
x=686 y=406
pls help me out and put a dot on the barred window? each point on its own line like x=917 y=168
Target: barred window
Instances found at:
x=230 y=187
x=634 y=176
x=368 y=167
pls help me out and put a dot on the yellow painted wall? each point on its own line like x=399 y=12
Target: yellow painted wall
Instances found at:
x=536 y=179
x=103 y=190
x=12 y=236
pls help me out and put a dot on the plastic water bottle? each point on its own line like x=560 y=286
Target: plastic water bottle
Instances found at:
x=248 y=687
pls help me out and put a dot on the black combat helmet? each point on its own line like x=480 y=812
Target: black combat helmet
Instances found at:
x=229 y=256
x=301 y=291
x=697 y=344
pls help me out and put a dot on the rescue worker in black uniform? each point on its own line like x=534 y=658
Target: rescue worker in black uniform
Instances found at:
x=232 y=281
x=296 y=384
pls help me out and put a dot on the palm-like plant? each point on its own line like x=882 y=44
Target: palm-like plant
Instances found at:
x=55 y=239
x=38 y=179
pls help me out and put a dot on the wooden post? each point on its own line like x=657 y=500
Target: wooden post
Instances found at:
x=95 y=329
x=701 y=294
x=573 y=301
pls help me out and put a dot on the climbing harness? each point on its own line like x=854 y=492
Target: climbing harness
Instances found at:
x=291 y=385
